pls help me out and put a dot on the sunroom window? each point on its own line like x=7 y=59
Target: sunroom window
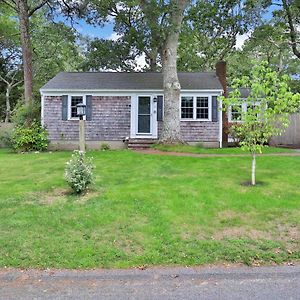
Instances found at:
x=236 y=112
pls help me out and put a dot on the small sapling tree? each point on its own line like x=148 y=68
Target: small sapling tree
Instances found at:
x=264 y=113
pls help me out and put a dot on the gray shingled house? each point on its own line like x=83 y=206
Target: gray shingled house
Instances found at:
x=129 y=106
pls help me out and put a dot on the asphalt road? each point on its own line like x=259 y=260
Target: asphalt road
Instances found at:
x=281 y=282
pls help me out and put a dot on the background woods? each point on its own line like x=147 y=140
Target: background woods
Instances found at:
x=38 y=39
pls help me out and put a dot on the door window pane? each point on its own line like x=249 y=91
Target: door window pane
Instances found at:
x=144 y=105
x=144 y=115
x=144 y=124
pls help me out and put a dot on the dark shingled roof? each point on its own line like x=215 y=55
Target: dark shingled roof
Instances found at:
x=244 y=92
x=129 y=81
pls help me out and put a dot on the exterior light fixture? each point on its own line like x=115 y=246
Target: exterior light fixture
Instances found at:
x=81 y=110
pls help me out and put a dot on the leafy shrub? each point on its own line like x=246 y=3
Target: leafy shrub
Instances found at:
x=26 y=114
x=104 y=147
x=30 y=138
x=79 y=172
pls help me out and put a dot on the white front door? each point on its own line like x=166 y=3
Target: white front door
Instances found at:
x=143 y=117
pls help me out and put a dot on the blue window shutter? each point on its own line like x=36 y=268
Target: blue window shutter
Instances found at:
x=214 y=109
x=64 y=111
x=160 y=108
x=89 y=107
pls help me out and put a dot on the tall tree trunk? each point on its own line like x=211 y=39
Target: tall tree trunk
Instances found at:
x=23 y=14
x=171 y=125
x=153 y=63
x=151 y=59
x=293 y=31
x=7 y=100
x=253 y=180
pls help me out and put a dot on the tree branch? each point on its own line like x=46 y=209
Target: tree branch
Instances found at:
x=9 y=4
x=17 y=83
x=40 y=5
x=3 y=79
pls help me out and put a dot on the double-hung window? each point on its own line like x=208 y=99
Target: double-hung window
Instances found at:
x=195 y=108
x=187 y=107
x=73 y=101
x=202 y=107
x=236 y=113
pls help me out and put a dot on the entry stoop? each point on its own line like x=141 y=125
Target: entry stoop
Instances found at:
x=141 y=143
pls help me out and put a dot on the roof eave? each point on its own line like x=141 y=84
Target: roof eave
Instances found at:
x=124 y=90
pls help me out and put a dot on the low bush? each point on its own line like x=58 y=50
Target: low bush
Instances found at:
x=79 y=172
x=29 y=138
x=199 y=145
x=104 y=147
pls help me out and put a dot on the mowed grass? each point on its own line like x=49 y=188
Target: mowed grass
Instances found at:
x=148 y=210
x=198 y=149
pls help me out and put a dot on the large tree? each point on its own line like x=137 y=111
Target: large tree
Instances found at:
x=135 y=37
x=112 y=55
x=152 y=28
x=211 y=29
x=10 y=62
x=291 y=10
x=56 y=48
x=268 y=42
x=171 y=125
x=24 y=10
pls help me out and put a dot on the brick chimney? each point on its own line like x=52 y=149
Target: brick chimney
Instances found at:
x=222 y=75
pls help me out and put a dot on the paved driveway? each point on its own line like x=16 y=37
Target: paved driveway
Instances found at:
x=281 y=282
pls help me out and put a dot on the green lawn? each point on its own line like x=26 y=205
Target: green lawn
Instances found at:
x=148 y=210
x=201 y=150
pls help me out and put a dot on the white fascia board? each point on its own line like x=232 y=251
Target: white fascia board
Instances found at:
x=42 y=109
x=220 y=124
x=118 y=92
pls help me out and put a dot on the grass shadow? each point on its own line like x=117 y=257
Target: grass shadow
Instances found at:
x=258 y=183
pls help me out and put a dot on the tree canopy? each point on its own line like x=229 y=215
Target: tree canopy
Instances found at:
x=209 y=31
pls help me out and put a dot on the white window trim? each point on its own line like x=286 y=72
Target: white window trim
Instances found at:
x=163 y=106
x=194 y=119
x=69 y=105
x=244 y=110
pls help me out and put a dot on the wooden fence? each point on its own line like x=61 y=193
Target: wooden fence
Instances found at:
x=291 y=136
